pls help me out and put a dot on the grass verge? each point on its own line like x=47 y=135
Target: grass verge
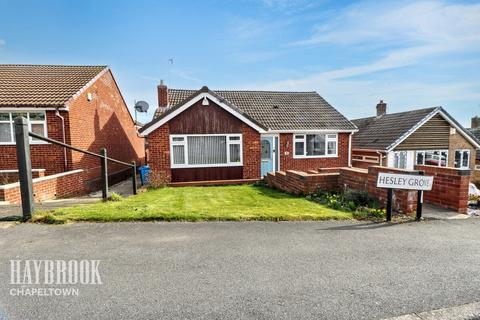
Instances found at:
x=223 y=203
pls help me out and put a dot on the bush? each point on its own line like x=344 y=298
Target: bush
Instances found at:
x=115 y=197
x=359 y=198
x=359 y=202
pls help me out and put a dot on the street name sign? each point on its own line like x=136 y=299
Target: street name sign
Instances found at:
x=404 y=181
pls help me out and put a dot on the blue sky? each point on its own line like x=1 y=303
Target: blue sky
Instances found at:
x=410 y=54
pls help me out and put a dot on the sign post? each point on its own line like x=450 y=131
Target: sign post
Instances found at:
x=393 y=181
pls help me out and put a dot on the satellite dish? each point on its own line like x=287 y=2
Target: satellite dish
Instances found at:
x=141 y=106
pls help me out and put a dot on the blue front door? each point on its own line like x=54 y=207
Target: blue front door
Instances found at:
x=267 y=155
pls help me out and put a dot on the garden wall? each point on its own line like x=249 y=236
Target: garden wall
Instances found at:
x=59 y=185
x=450 y=187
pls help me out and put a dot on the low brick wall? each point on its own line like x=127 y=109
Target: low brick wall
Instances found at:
x=302 y=183
x=366 y=180
x=450 y=187
x=11 y=176
x=59 y=185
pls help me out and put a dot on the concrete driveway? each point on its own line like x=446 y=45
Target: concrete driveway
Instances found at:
x=251 y=270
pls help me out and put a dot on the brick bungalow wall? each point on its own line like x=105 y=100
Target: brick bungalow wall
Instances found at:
x=44 y=188
x=457 y=141
x=251 y=153
x=287 y=162
x=103 y=122
x=159 y=154
x=44 y=156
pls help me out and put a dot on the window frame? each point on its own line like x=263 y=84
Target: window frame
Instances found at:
x=184 y=143
x=461 y=161
x=424 y=157
x=399 y=153
x=304 y=140
x=12 y=125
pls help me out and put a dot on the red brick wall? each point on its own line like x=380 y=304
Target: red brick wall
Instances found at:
x=103 y=122
x=301 y=183
x=251 y=152
x=287 y=162
x=159 y=154
x=44 y=156
x=66 y=185
x=450 y=187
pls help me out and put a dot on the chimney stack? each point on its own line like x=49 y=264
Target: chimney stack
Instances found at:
x=162 y=89
x=475 y=122
x=381 y=108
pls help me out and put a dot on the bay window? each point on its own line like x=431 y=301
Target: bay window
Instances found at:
x=37 y=123
x=437 y=158
x=315 y=145
x=462 y=159
x=196 y=151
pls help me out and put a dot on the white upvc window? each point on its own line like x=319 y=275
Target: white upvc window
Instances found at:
x=437 y=158
x=37 y=123
x=462 y=159
x=205 y=150
x=319 y=145
x=400 y=159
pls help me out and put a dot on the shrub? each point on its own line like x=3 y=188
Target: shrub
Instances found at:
x=115 y=197
x=359 y=198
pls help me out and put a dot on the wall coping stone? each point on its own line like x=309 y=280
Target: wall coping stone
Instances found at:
x=40 y=179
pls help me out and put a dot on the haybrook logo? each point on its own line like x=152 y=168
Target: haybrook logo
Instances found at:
x=42 y=277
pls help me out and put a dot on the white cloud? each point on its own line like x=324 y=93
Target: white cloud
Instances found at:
x=407 y=35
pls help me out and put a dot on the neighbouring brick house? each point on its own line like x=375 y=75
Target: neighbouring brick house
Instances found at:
x=79 y=105
x=210 y=135
x=475 y=130
x=420 y=137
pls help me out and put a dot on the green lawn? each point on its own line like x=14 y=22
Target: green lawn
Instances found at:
x=229 y=203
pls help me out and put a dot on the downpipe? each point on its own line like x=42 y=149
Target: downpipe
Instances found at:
x=65 y=161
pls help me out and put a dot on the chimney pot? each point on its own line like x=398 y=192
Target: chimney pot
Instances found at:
x=381 y=108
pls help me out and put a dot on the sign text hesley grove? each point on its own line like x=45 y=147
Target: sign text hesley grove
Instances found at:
x=404 y=181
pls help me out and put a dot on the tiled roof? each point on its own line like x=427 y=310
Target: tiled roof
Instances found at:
x=42 y=85
x=275 y=110
x=476 y=132
x=379 y=133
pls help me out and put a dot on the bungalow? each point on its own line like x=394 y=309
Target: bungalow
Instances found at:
x=78 y=105
x=210 y=135
x=401 y=140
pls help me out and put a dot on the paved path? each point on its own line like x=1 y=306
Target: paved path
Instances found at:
x=252 y=270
